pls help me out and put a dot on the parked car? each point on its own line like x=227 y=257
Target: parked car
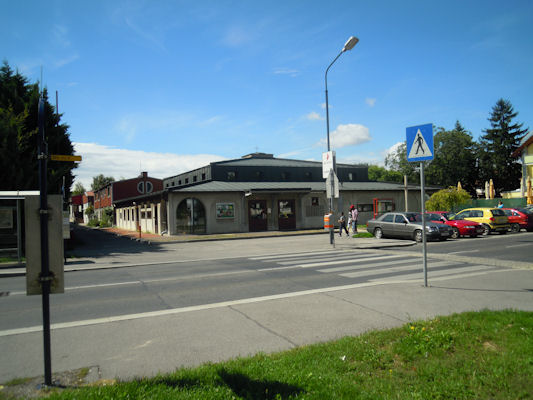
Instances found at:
x=406 y=225
x=519 y=218
x=460 y=227
x=492 y=219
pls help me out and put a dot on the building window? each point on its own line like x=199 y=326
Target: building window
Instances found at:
x=350 y=176
x=308 y=176
x=259 y=175
x=314 y=201
x=149 y=187
x=186 y=180
x=203 y=176
x=140 y=187
x=285 y=176
x=179 y=183
x=231 y=175
x=194 y=178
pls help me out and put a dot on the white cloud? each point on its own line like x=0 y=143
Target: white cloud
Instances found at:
x=99 y=159
x=287 y=71
x=348 y=135
x=391 y=149
x=370 y=101
x=313 y=116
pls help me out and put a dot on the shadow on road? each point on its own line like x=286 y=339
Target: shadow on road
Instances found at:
x=88 y=242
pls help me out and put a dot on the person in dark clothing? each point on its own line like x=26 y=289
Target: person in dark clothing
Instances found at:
x=342 y=222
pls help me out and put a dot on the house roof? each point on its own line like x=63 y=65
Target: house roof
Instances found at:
x=220 y=186
x=524 y=142
x=274 y=162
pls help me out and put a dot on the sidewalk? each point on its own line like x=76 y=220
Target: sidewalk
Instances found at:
x=153 y=249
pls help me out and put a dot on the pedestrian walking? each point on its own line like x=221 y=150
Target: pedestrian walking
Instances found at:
x=342 y=222
x=354 y=214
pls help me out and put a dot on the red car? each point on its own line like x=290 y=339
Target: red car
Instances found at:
x=460 y=227
x=519 y=218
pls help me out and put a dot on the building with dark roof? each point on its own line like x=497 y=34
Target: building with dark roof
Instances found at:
x=259 y=192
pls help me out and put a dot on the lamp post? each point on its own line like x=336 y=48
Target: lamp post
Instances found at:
x=350 y=43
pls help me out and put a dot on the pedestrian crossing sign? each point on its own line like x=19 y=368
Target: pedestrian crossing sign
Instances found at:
x=419 y=140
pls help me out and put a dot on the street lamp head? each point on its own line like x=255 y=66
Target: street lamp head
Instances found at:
x=350 y=44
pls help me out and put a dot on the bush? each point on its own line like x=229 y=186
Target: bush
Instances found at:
x=446 y=199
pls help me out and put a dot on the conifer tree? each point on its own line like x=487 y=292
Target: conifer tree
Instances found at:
x=496 y=147
x=19 y=101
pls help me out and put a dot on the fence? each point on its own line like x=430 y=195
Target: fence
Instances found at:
x=507 y=203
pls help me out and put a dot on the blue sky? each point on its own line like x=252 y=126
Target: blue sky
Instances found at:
x=167 y=86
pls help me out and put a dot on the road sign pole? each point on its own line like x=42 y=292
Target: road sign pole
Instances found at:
x=332 y=191
x=424 y=241
x=45 y=277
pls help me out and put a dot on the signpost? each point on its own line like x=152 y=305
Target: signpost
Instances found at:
x=419 y=140
x=332 y=186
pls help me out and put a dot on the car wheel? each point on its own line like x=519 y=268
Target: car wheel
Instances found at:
x=455 y=233
x=417 y=236
x=378 y=233
x=486 y=229
x=515 y=228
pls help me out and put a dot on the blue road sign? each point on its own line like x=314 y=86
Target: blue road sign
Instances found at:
x=419 y=140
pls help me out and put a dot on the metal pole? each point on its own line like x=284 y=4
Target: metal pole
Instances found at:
x=332 y=231
x=19 y=231
x=424 y=242
x=45 y=277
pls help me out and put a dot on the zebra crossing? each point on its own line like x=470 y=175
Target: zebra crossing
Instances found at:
x=369 y=266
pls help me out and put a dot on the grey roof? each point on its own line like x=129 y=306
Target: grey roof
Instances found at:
x=220 y=186
x=275 y=162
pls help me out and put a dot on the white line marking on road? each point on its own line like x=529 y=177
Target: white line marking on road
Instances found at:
x=174 y=311
x=410 y=267
x=519 y=245
x=353 y=261
x=290 y=255
x=463 y=251
x=436 y=274
x=351 y=267
x=140 y=282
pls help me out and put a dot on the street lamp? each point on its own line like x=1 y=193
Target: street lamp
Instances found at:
x=350 y=43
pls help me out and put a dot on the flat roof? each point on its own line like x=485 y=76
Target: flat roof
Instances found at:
x=222 y=186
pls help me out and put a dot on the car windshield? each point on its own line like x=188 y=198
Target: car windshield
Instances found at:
x=525 y=211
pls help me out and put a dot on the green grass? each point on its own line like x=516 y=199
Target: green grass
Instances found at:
x=485 y=355
x=11 y=259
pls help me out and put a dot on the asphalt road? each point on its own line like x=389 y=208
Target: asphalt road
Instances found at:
x=510 y=247
x=196 y=302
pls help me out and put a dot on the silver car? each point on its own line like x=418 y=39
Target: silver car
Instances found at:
x=406 y=225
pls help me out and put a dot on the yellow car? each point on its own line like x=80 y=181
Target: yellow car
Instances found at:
x=492 y=219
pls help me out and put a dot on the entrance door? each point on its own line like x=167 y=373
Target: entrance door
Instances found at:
x=286 y=215
x=257 y=215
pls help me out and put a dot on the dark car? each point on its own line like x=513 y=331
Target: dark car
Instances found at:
x=519 y=218
x=406 y=225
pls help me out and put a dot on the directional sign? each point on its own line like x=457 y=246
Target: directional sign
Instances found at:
x=419 y=141
x=60 y=157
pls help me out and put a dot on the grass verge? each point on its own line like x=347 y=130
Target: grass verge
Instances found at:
x=482 y=355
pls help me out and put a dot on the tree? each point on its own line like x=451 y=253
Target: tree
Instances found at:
x=397 y=161
x=99 y=181
x=381 y=174
x=447 y=199
x=19 y=132
x=454 y=159
x=496 y=147
x=78 y=188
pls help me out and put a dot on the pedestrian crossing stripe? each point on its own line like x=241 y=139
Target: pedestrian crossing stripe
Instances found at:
x=420 y=147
